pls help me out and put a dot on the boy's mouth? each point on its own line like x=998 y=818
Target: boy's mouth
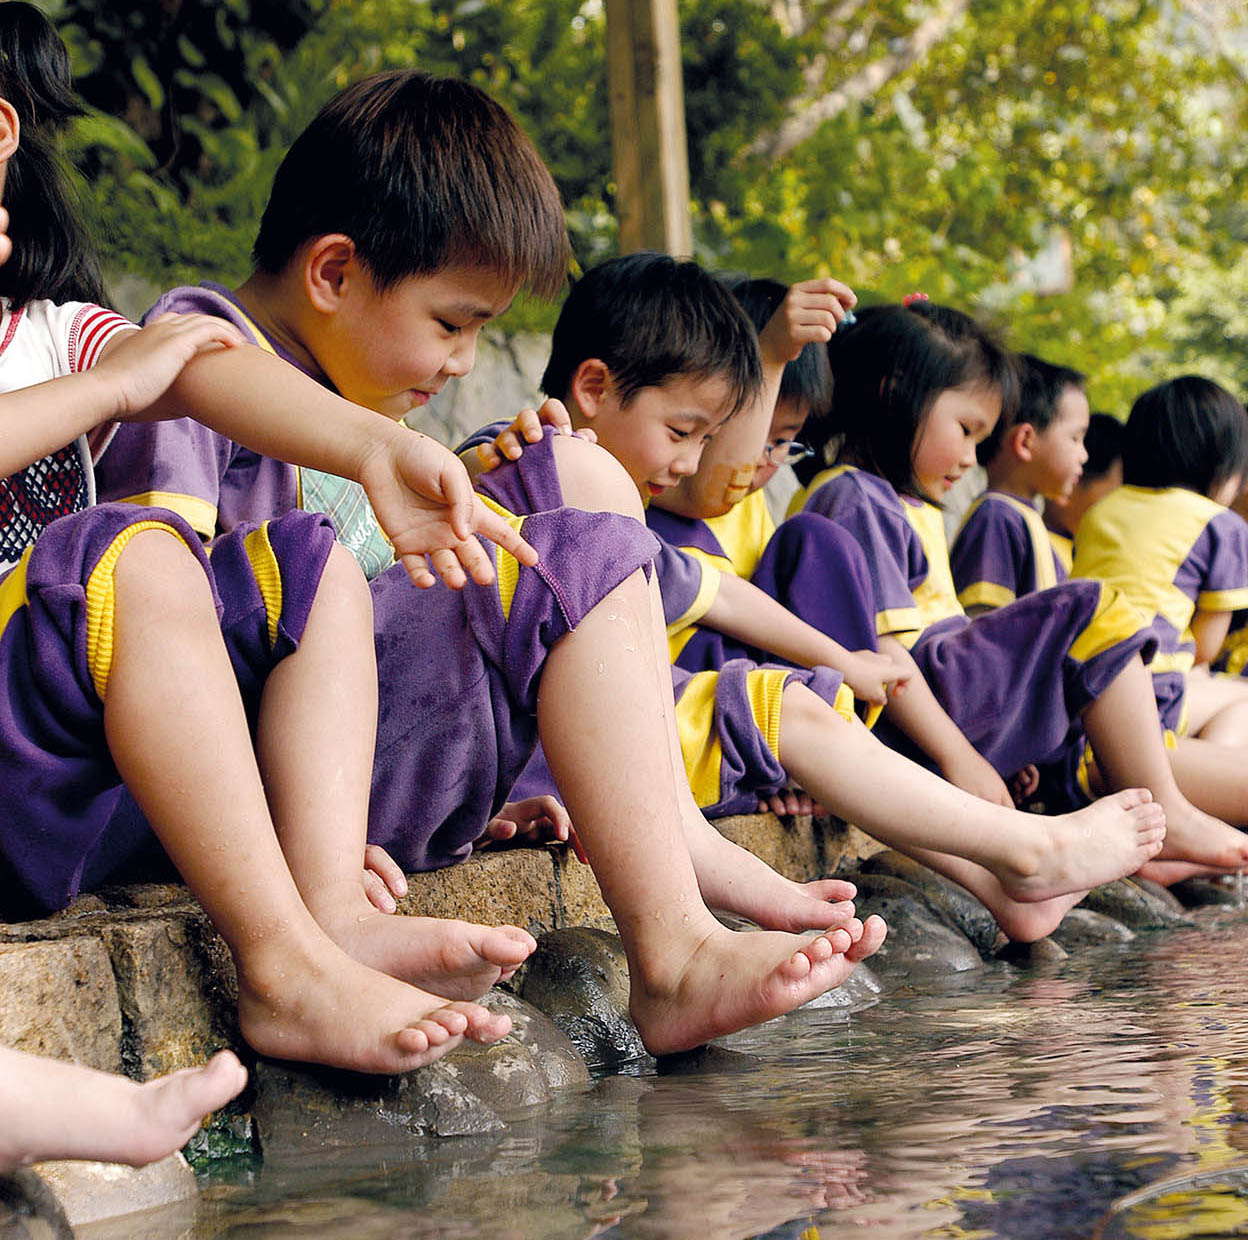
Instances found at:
x=654 y=489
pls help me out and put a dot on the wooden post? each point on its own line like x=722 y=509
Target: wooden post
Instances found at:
x=649 y=153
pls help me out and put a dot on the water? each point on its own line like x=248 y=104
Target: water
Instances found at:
x=1012 y=1105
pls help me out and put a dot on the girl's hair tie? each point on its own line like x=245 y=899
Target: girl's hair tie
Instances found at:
x=910 y=298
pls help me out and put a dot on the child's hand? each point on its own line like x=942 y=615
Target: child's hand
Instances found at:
x=6 y=242
x=384 y=881
x=527 y=428
x=1024 y=783
x=973 y=773
x=874 y=677
x=143 y=364
x=791 y=803
x=808 y=314
x=426 y=505
x=533 y=820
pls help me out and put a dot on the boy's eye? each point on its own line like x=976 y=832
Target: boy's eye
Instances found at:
x=678 y=432
x=448 y=327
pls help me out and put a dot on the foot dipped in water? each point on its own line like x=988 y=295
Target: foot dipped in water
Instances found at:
x=51 y=1110
x=1046 y=858
x=456 y=959
x=293 y=993
x=730 y=980
x=1200 y=838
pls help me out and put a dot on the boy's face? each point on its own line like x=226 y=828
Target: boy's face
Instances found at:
x=786 y=426
x=944 y=450
x=659 y=435
x=391 y=351
x=1058 y=453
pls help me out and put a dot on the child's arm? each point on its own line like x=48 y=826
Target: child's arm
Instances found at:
x=743 y=611
x=922 y=718
x=134 y=369
x=1210 y=628
x=419 y=490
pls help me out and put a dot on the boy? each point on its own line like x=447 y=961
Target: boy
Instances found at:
x=644 y=352
x=401 y=221
x=1102 y=473
x=1003 y=549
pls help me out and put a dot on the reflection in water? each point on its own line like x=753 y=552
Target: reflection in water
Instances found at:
x=1020 y=1106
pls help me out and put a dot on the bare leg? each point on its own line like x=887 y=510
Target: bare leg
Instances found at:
x=1217 y=708
x=317 y=728
x=52 y=1109
x=1029 y=870
x=618 y=772
x=1121 y=725
x=195 y=777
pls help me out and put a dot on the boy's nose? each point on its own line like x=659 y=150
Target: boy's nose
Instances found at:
x=461 y=359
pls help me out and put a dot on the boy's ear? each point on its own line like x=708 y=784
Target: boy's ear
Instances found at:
x=1021 y=441
x=327 y=270
x=591 y=383
x=10 y=131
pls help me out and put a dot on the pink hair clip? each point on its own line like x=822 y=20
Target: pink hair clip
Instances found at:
x=910 y=298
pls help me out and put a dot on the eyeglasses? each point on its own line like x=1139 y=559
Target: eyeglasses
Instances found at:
x=787 y=452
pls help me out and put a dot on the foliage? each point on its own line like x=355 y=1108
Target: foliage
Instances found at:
x=939 y=145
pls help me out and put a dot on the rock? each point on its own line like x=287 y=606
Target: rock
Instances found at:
x=523 y=1069
x=788 y=845
x=1164 y=894
x=1082 y=928
x=957 y=906
x=580 y=899
x=1135 y=906
x=29 y=1209
x=862 y=989
x=297 y=1108
x=515 y=885
x=1207 y=892
x=1027 y=955
x=91 y=1191
x=919 y=941
x=59 y=998
x=579 y=978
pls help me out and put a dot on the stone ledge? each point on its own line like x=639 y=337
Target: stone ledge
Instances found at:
x=136 y=978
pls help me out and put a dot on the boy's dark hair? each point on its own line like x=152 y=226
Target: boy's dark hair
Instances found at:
x=652 y=318
x=1188 y=432
x=422 y=173
x=1041 y=385
x=888 y=370
x=52 y=257
x=808 y=378
x=1103 y=444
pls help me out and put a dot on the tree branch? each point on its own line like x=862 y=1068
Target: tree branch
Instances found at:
x=815 y=105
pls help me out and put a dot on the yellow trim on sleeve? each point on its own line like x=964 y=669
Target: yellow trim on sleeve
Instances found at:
x=198 y=513
x=678 y=641
x=708 y=591
x=904 y=623
x=101 y=596
x=1222 y=600
x=13 y=590
x=1172 y=661
x=699 y=742
x=506 y=566
x=985 y=594
x=1236 y=650
x=268 y=574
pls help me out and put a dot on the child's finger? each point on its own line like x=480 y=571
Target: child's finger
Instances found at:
x=490 y=525
x=418 y=570
x=508 y=444
x=378 y=895
x=386 y=868
x=450 y=565
x=554 y=413
x=488 y=456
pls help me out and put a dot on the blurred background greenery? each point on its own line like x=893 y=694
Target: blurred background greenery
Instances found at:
x=1074 y=168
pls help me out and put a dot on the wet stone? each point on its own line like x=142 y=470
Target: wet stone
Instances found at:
x=1028 y=955
x=29 y=1209
x=862 y=989
x=956 y=905
x=1083 y=928
x=298 y=1108
x=90 y=1192
x=1134 y=905
x=579 y=978
x=919 y=941
x=1211 y=892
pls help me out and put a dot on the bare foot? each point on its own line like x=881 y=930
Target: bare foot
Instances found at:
x=51 y=1109
x=736 y=881
x=1167 y=873
x=456 y=959
x=734 y=980
x=292 y=1007
x=1192 y=835
x=1073 y=853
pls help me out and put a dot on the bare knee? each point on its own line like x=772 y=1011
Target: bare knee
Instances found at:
x=343 y=582
x=158 y=565
x=592 y=479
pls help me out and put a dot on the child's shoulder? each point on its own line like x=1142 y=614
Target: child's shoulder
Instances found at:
x=206 y=298
x=843 y=484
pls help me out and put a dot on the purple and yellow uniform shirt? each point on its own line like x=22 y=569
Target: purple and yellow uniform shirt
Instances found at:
x=1173 y=553
x=1002 y=552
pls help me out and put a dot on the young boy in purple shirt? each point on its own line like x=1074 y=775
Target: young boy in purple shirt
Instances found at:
x=384 y=249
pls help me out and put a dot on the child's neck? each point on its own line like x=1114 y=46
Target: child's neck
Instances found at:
x=1012 y=476
x=277 y=311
